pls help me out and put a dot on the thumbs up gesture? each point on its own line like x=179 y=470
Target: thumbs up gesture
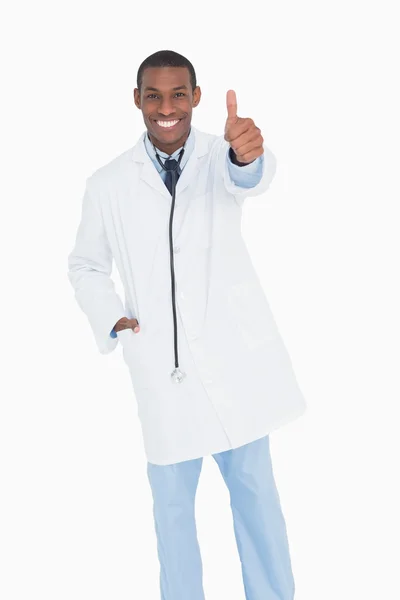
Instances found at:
x=243 y=136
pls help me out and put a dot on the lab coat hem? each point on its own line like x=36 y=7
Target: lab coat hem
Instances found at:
x=266 y=430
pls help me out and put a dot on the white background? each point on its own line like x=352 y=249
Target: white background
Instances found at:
x=321 y=81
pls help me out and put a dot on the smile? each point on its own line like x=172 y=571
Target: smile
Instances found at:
x=168 y=124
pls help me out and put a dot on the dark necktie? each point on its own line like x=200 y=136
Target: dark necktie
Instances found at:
x=170 y=165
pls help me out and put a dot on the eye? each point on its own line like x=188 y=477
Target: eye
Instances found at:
x=155 y=95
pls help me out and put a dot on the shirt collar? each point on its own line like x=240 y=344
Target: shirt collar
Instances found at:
x=188 y=148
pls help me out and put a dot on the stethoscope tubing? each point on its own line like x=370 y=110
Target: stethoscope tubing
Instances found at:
x=171 y=252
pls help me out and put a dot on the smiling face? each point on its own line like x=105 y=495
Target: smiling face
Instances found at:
x=166 y=101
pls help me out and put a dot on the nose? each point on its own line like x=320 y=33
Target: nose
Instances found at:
x=166 y=107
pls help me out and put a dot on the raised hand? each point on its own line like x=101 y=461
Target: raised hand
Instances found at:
x=242 y=134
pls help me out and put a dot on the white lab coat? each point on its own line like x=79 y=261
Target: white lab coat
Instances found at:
x=239 y=383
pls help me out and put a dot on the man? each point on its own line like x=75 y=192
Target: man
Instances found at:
x=210 y=371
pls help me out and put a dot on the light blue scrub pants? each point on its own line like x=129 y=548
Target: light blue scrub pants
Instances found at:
x=259 y=524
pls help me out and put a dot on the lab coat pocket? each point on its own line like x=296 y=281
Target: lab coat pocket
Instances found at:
x=252 y=314
x=125 y=337
x=132 y=350
x=123 y=334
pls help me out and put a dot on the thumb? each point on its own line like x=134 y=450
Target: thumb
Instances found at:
x=133 y=324
x=231 y=105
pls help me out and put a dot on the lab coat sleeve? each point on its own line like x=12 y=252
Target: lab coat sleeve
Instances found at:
x=89 y=270
x=268 y=166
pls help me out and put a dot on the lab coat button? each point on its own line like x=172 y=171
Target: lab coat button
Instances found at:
x=176 y=249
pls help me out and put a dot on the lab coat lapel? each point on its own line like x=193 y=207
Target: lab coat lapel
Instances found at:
x=150 y=175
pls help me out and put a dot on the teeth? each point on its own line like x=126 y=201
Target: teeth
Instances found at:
x=167 y=123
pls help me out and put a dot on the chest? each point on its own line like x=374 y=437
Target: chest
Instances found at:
x=139 y=220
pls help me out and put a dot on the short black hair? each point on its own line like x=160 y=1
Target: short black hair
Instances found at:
x=166 y=58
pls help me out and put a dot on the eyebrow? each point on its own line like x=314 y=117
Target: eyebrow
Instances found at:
x=153 y=89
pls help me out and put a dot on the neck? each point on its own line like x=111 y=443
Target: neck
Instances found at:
x=168 y=148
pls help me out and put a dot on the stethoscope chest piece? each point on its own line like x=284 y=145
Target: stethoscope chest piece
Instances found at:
x=177 y=375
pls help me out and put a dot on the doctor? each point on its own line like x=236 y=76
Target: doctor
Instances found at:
x=209 y=369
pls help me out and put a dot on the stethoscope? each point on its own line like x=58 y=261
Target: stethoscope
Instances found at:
x=177 y=374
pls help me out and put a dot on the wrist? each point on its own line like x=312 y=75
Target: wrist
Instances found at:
x=234 y=160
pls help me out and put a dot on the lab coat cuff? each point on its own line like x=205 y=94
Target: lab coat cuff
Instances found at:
x=103 y=326
x=241 y=192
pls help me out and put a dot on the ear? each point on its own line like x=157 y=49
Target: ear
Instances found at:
x=136 y=97
x=196 y=96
